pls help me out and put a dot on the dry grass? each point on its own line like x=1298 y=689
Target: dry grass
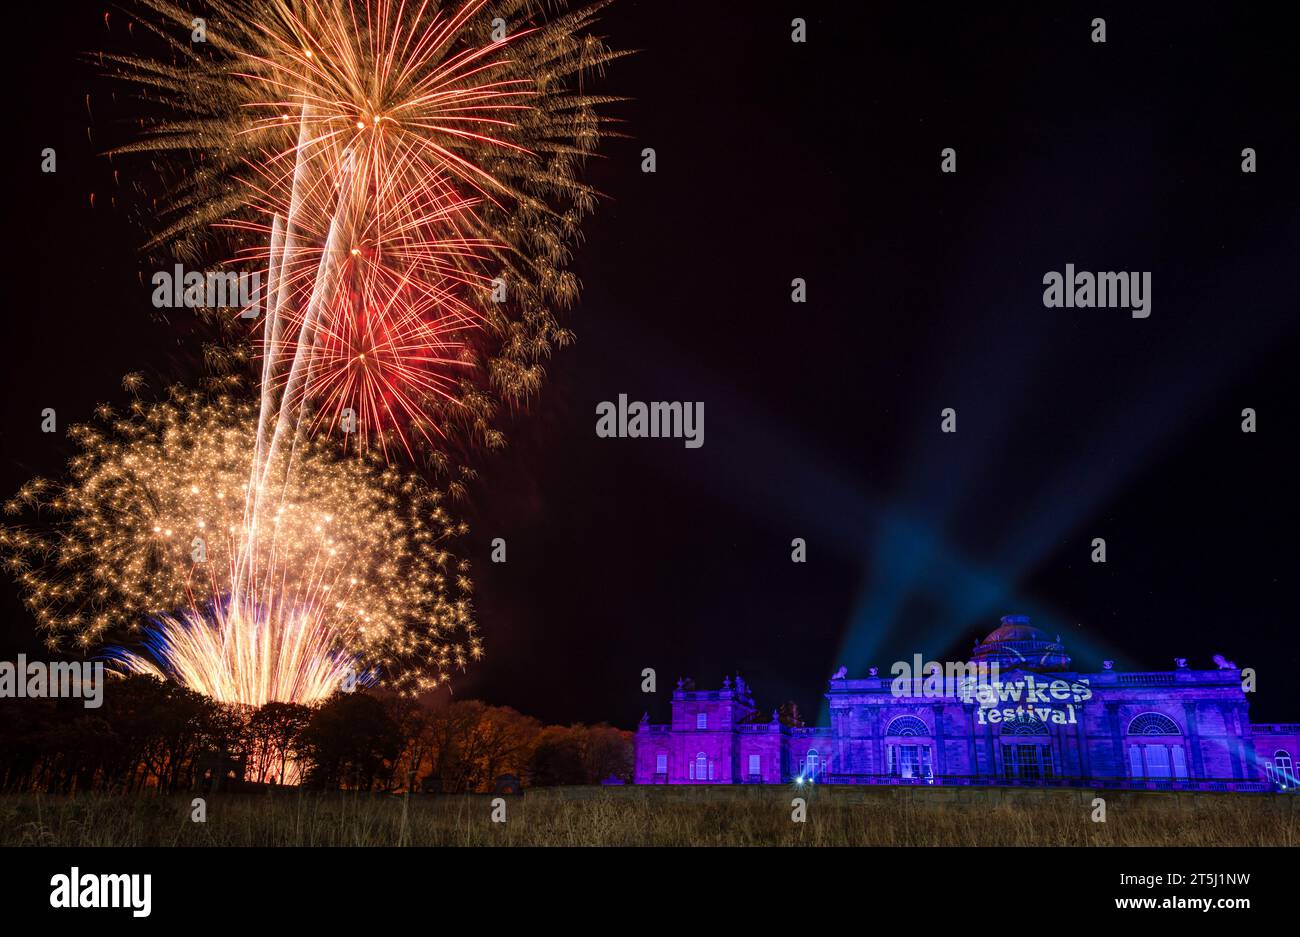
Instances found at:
x=661 y=817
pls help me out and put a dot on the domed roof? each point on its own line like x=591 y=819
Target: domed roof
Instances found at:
x=1015 y=627
x=1017 y=644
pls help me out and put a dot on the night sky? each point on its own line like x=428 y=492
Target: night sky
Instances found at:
x=822 y=420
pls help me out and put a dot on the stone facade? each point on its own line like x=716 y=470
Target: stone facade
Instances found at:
x=1025 y=719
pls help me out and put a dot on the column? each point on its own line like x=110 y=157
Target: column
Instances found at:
x=990 y=759
x=940 y=755
x=1117 y=740
x=841 y=747
x=877 y=745
x=1196 y=767
x=973 y=765
x=1233 y=739
x=1081 y=739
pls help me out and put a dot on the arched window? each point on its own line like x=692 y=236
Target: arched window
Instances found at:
x=908 y=761
x=1282 y=765
x=811 y=767
x=906 y=726
x=1024 y=724
x=1153 y=724
x=1156 y=760
x=701 y=767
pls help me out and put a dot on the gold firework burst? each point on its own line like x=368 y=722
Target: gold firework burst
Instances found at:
x=159 y=517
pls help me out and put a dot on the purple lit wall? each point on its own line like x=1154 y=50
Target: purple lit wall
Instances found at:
x=1176 y=729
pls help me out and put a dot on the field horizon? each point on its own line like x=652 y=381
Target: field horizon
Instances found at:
x=630 y=816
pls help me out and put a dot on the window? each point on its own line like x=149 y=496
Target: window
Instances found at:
x=1268 y=769
x=1024 y=724
x=906 y=726
x=755 y=765
x=1154 y=760
x=1157 y=761
x=661 y=763
x=1282 y=766
x=701 y=767
x=1027 y=762
x=701 y=720
x=812 y=763
x=1153 y=724
x=909 y=761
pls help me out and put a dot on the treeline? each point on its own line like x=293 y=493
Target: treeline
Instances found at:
x=151 y=735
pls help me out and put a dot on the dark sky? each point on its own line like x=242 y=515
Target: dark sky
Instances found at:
x=821 y=160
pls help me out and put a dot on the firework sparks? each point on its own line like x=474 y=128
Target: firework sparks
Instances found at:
x=282 y=566
x=242 y=655
x=394 y=166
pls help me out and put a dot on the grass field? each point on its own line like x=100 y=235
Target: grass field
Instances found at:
x=658 y=816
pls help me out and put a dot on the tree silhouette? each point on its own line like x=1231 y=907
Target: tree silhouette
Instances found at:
x=351 y=741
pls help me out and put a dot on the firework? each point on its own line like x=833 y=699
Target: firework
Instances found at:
x=240 y=654
x=407 y=176
x=399 y=169
x=268 y=572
